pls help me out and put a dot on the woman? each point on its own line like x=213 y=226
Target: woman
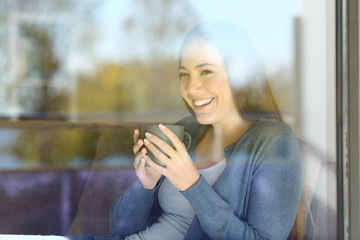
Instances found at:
x=241 y=178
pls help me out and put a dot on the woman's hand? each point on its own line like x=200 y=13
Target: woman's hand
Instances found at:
x=180 y=169
x=147 y=176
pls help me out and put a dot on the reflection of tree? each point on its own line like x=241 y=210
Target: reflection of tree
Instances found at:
x=102 y=91
x=156 y=26
x=42 y=62
x=145 y=81
x=56 y=146
x=35 y=37
x=155 y=29
x=41 y=45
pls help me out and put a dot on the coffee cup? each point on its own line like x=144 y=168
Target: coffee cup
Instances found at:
x=155 y=130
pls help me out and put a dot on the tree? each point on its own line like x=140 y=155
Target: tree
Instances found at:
x=36 y=37
x=40 y=33
x=155 y=29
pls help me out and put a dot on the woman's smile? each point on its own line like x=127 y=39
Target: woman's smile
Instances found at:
x=204 y=84
x=199 y=103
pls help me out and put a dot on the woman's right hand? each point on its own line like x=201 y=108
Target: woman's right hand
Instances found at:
x=147 y=176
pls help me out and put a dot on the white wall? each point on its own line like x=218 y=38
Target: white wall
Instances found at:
x=318 y=74
x=318 y=106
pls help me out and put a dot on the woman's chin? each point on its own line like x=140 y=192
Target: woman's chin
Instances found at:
x=203 y=119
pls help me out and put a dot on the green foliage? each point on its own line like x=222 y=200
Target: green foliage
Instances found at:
x=55 y=146
x=138 y=84
x=129 y=87
x=103 y=91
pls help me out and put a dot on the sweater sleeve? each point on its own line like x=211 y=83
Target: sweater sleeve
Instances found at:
x=134 y=210
x=275 y=191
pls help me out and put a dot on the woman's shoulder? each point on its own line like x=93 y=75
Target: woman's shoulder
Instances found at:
x=271 y=138
x=270 y=127
x=269 y=130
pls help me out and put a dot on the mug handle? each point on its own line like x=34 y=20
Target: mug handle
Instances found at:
x=187 y=140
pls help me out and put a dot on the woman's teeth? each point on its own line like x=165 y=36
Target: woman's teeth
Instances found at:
x=202 y=102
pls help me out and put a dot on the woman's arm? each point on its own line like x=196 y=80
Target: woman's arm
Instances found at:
x=134 y=211
x=276 y=184
x=136 y=208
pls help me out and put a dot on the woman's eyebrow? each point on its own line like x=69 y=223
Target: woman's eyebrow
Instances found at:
x=198 y=66
x=204 y=64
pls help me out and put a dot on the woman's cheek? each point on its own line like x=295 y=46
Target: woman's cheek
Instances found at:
x=183 y=92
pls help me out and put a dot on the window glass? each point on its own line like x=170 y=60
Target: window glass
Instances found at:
x=78 y=76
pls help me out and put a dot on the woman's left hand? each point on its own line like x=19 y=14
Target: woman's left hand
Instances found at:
x=180 y=169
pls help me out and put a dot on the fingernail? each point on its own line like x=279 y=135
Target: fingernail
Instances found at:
x=146 y=141
x=148 y=135
x=161 y=126
x=139 y=142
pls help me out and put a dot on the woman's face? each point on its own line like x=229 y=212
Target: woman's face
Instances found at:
x=204 y=83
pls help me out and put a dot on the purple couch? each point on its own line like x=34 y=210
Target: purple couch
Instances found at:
x=58 y=202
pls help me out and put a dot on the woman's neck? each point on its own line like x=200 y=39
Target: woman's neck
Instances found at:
x=230 y=130
x=210 y=148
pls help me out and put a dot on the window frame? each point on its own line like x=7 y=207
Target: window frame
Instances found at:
x=347 y=115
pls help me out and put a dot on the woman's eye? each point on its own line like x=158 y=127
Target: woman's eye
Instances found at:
x=206 y=72
x=181 y=75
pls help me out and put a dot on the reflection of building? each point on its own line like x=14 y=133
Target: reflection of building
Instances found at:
x=38 y=51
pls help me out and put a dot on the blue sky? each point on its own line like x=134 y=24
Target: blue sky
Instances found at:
x=269 y=23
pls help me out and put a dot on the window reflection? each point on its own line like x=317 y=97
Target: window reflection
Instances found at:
x=78 y=76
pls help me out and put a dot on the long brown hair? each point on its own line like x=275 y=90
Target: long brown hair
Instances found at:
x=251 y=91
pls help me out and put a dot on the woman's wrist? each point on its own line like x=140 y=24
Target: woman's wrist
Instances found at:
x=196 y=180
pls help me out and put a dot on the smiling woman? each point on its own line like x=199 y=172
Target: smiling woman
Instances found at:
x=241 y=177
x=226 y=53
x=204 y=83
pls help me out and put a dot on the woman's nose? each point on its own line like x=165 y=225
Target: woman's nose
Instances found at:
x=194 y=85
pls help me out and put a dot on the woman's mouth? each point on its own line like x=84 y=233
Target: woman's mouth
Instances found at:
x=202 y=102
